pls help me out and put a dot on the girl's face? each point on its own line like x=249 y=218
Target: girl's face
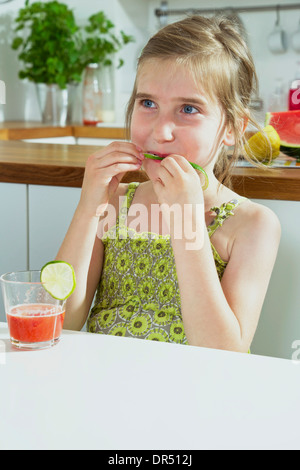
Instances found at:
x=172 y=115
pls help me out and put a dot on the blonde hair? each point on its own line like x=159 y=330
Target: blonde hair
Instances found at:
x=216 y=52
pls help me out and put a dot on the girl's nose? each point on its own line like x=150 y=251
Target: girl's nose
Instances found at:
x=163 y=130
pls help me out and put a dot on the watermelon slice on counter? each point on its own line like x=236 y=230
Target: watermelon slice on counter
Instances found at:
x=287 y=124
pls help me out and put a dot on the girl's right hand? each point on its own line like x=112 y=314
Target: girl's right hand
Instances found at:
x=103 y=173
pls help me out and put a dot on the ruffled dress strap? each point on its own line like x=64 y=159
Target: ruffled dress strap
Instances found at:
x=222 y=213
x=121 y=220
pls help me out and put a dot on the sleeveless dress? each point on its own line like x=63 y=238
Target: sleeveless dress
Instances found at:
x=138 y=294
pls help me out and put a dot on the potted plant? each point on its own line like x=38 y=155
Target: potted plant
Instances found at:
x=101 y=42
x=99 y=46
x=55 y=51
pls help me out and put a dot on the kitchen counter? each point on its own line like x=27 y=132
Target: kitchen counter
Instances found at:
x=105 y=392
x=15 y=130
x=63 y=165
x=44 y=164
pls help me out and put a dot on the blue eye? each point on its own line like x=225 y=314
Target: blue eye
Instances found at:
x=188 y=109
x=148 y=103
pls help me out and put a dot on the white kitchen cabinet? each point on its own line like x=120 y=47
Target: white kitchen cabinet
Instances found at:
x=51 y=209
x=13 y=231
x=279 y=327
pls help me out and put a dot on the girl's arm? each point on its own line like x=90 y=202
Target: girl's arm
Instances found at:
x=84 y=251
x=82 y=247
x=225 y=315
x=218 y=315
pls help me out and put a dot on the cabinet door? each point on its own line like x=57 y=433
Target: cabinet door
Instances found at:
x=13 y=231
x=279 y=327
x=51 y=209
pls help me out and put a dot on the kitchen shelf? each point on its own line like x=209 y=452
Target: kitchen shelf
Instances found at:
x=165 y=11
x=20 y=130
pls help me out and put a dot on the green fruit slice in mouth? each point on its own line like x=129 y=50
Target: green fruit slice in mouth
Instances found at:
x=194 y=165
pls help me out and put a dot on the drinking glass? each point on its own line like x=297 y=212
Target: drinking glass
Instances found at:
x=35 y=319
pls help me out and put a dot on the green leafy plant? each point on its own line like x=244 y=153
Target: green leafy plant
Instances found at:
x=101 y=42
x=54 y=50
x=50 y=49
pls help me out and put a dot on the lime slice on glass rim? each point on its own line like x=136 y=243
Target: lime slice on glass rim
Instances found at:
x=58 y=279
x=194 y=165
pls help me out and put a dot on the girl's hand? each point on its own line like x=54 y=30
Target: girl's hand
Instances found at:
x=177 y=182
x=178 y=190
x=103 y=173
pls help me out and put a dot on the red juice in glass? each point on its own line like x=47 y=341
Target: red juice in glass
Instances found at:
x=35 y=318
x=90 y=123
x=35 y=323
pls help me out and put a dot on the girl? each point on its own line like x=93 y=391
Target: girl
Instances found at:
x=190 y=100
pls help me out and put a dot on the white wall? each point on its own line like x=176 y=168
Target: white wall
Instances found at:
x=137 y=17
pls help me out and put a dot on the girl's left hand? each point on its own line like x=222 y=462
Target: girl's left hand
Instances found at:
x=177 y=182
x=178 y=189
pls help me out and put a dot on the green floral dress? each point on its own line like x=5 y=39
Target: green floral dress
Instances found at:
x=138 y=294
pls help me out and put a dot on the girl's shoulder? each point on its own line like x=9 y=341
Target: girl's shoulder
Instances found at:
x=252 y=220
x=253 y=213
x=250 y=214
x=248 y=224
x=253 y=242
x=255 y=221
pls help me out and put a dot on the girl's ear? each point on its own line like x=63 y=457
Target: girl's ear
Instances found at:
x=229 y=137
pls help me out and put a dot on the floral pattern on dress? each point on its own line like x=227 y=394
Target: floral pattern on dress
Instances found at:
x=138 y=294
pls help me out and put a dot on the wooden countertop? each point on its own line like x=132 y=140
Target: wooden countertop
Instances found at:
x=63 y=165
x=36 y=130
x=45 y=164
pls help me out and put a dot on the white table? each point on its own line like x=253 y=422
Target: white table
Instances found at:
x=101 y=392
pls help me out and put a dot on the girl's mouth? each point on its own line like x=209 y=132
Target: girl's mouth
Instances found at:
x=156 y=154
